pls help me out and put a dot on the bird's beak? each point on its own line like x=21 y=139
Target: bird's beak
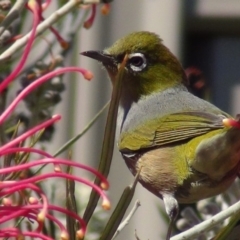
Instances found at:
x=105 y=59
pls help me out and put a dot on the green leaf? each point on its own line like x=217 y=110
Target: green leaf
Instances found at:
x=119 y=211
x=71 y=205
x=108 y=141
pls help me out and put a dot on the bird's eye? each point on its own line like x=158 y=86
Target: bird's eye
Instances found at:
x=137 y=61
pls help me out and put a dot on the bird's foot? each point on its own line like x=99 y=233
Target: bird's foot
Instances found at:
x=172 y=209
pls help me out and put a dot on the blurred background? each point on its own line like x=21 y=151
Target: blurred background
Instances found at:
x=202 y=34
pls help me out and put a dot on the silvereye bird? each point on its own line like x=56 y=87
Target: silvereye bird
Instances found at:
x=180 y=143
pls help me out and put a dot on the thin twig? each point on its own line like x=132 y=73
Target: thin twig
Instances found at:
x=136 y=236
x=127 y=219
x=89 y=125
x=13 y=14
x=54 y=17
x=120 y=210
x=209 y=223
x=70 y=38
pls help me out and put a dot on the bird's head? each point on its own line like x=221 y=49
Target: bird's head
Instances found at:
x=150 y=66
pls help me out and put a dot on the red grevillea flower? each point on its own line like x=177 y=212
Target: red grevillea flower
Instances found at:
x=89 y=22
x=44 y=6
x=21 y=196
x=105 y=9
x=38 y=209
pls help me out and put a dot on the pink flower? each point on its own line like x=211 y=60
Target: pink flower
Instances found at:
x=21 y=195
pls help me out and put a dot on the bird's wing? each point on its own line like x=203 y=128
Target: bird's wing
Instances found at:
x=170 y=129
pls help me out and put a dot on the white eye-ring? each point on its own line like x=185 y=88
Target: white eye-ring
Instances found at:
x=137 y=61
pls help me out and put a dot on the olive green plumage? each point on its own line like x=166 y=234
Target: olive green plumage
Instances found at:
x=178 y=142
x=162 y=65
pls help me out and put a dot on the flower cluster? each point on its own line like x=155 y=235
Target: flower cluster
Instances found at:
x=38 y=208
x=21 y=196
